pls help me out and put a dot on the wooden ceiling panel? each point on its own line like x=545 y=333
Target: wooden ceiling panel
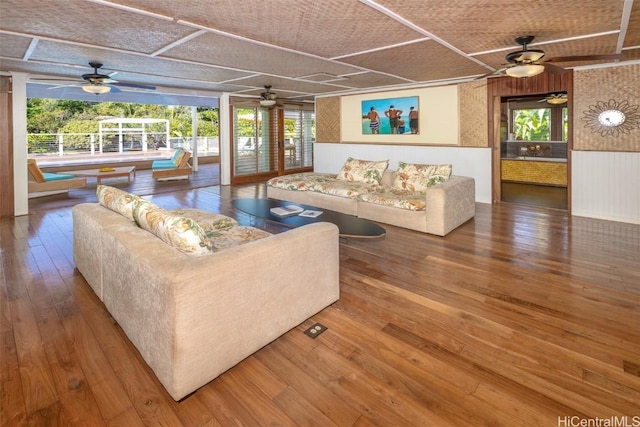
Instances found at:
x=419 y=62
x=477 y=26
x=215 y=49
x=14 y=46
x=89 y=23
x=140 y=64
x=205 y=45
x=316 y=27
x=633 y=29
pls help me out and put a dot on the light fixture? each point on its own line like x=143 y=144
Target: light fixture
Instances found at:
x=557 y=100
x=268 y=98
x=96 y=89
x=525 y=70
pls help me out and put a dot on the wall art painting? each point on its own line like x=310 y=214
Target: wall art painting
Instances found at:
x=391 y=116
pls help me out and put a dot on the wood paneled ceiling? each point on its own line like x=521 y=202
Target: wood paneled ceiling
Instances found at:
x=301 y=48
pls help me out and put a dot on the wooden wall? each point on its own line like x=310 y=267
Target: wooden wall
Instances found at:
x=328 y=119
x=6 y=149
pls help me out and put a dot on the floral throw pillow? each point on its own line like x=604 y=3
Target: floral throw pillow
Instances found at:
x=363 y=170
x=180 y=232
x=117 y=200
x=417 y=177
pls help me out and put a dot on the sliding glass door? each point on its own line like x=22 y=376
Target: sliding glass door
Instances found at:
x=270 y=142
x=299 y=134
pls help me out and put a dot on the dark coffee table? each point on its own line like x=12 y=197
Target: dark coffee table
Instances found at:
x=348 y=225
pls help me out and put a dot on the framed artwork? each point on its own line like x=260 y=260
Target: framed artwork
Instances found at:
x=391 y=116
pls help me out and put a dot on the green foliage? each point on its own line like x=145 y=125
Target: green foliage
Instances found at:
x=56 y=116
x=532 y=124
x=77 y=133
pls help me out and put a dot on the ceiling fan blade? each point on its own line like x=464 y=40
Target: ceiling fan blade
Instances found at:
x=114 y=89
x=64 y=85
x=134 y=85
x=496 y=72
x=586 y=58
x=553 y=69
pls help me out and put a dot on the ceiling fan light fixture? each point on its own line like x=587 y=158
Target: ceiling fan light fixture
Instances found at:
x=268 y=98
x=96 y=89
x=267 y=102
x=525 y=70
x=557 y=101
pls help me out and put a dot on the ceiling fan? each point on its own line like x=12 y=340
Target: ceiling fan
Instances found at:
x=97 y=83
x=268 y=98
x=555 y=98
x=529 y=62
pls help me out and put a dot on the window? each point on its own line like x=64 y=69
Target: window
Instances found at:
x=529 y=121
x=252 y=136
x=299 y=134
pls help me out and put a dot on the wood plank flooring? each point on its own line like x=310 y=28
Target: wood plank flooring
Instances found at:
x=523 y=316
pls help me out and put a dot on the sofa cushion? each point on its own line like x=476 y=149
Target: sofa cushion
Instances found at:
x=403 y=199
x=237 y=235
x=180 y=232
x=50 y=176
x=419 y=177
x=117 y=200
x=363 y=170
x=209 y=221
x=344 y=188
x=300 y=181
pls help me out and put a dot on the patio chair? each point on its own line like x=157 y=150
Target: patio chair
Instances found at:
x=177 y=167
x=47 y=183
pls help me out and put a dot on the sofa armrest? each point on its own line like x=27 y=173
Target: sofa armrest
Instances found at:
x=450 y=204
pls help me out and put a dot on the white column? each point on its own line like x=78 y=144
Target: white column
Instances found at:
x=120 y=142
x=194 y=137
x=144 y=138
x=20 y=174
x=225 y=139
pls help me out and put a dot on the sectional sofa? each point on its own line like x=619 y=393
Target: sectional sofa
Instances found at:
x=194 y=291
x=420 y=197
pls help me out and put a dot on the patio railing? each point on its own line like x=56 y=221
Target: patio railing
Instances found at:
x=88 y=144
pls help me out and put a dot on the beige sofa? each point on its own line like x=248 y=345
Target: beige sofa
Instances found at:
x=443 y=207
x=194 y=317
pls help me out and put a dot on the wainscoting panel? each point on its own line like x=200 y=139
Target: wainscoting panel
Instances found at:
x=466 y=161
x=606 y=185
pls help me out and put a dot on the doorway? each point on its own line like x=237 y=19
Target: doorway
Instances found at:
x=533 y=150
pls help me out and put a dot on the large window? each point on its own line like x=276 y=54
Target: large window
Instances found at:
x=531 y=121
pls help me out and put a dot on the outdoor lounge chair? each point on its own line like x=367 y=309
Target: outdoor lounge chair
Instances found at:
x=177 y=167
x=46 y=183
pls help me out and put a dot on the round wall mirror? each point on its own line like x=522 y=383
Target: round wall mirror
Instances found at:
x=612 y=118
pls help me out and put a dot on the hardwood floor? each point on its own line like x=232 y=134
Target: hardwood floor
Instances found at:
x=523 y=316
x=543 y=196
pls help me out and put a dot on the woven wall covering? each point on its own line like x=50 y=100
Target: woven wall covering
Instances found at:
x=603 y=84
x=474 y=129
x=328 y=119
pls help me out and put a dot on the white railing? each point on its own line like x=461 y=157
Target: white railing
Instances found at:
x=88 y=144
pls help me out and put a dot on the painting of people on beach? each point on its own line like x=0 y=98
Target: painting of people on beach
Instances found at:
x=391 y=116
